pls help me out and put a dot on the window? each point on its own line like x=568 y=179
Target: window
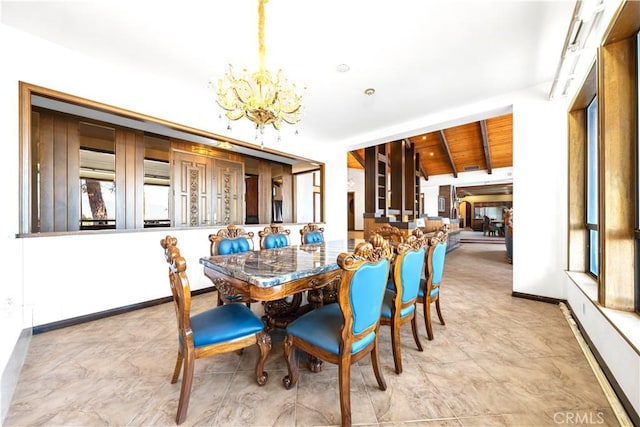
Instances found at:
x=156 y=193
x=592 y=187
x=97 y=176
x=88 y=166
x=157 y=182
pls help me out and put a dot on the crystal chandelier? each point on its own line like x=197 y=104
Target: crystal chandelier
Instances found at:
x=259 y=96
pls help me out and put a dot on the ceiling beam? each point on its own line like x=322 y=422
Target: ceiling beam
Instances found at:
x=358 y=158
x=485 y=145
x=424 y=173
x=445 y=145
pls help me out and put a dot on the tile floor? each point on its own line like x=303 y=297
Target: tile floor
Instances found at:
x=499 y=361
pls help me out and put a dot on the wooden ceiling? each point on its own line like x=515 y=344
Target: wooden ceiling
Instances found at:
x=482 y=145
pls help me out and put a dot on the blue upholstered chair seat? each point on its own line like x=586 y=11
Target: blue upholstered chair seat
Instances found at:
x=233 y=246
x=387 y=303
x=321 y=328
x=224 y=323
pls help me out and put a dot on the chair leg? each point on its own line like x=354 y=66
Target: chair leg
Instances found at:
x=176 y=370
x=292 y=363
x=438 y=310
x=185 y=389
x=375 y=362
x=427 y=318
x=414 y=329
x=395 y=345
x=264 y=344
x=344 y=380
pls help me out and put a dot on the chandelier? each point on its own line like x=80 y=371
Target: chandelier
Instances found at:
x=259 y=96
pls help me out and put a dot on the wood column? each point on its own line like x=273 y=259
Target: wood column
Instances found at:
x=617 y=118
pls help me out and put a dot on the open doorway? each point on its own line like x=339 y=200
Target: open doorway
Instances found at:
x=351 y=215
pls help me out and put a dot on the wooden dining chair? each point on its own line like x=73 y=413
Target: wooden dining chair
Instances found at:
x=228 y=241
x=429 y=292
x=346 y=331
x=311 y=233
x=399 y=304
x=215 y=331
x=274 y=236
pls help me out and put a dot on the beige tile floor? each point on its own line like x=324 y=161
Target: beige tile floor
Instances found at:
x=499 y=361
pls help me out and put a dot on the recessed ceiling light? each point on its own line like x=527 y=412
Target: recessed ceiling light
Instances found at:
x=342 y=68
x=431 y=153
x=369 y=91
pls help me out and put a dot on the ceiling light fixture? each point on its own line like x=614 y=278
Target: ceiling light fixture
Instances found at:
x=369 y=91
x=259 y=96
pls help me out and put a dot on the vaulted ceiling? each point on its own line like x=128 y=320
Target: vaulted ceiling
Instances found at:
x=476 y=146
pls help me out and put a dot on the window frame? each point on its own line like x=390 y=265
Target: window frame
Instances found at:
x=591 y=227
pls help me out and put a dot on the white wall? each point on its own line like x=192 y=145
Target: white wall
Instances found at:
x=431 y=194
x=539 y=196
x=304 y=198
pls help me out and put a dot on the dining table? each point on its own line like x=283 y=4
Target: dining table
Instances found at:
x=280 y=277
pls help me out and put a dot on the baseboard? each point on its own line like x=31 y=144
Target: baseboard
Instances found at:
x=108 y=313
x=537 y=298
x=11 y=371
x=622 y=397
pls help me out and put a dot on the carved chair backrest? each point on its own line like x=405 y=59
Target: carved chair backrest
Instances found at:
x=274 y=236
x=180 y=288
x=231 y=240
x=364 y=277
x=311 y=233
x=391 y=233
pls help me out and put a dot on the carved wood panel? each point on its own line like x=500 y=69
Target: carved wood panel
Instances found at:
x=192 y=190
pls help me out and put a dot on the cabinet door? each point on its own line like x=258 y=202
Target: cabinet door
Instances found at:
x=229 y=191
x=192 y=178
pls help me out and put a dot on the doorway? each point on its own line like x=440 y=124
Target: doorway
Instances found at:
x=351 y=216
x=466 y=206
x=251 y=199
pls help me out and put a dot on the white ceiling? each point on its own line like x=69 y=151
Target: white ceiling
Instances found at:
x=421 y=56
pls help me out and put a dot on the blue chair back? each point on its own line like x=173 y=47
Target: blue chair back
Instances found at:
x=365 y=295
x=231 y=240
x=277 y=241
x=437 y=263
x=313 y=237
x=410 y=271
x=273 y=237
x=233 y=246
x=311 y=234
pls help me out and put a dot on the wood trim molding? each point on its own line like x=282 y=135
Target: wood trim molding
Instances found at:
x=617 y=109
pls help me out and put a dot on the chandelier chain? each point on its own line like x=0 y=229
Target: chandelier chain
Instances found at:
x=262 y=97
x=261 y=47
